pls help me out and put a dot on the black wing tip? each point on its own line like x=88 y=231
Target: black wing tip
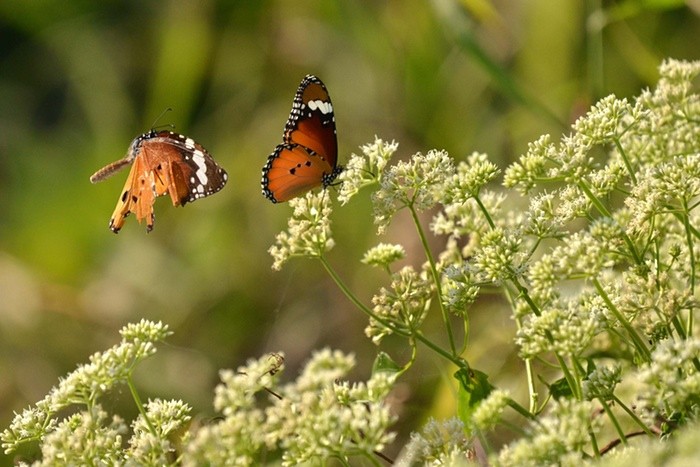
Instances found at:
x=311 y=78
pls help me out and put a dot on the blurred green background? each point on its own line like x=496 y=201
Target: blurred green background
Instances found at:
x=80 y=79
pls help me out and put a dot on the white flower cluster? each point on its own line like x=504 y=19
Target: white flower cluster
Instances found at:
x=316 y=417
x=91 y=433
x=309 y=230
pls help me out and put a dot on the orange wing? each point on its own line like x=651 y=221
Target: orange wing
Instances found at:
x=293 y=170
x=138 y=196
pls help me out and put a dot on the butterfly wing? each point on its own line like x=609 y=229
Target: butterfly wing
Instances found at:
x=125 y=204
x=163 y=163
x=183 y=168
x=292 y=170
x=312 y=121
x=309 y=155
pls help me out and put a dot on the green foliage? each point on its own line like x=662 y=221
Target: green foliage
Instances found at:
x=473 y=389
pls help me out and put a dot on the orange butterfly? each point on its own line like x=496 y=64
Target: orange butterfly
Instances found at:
x=163 y=162
x=308 y=157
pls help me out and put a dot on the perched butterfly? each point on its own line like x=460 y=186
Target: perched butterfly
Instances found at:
x=162 y=162
x=308 y=156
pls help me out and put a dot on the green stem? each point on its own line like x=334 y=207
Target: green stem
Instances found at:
x=693 y=230
x=577 y=389
x=341 y=285
x=460 y=362
x=626 y=160
x=691 y=254
x=534 y=248
x=594 y=442
x=677 y=325
x=485 y=212
x=690 y=322
x=436 y=278
x=532 y=389
x=600 y=207
x=414 y=353
x=613 y=419
x=139 y=405
x=689 y=230
x=526 y=296
x=634 y=417
x=465 y=342
x=604 y=212
x=638 y=342
x=521 y=410
x=570 y=380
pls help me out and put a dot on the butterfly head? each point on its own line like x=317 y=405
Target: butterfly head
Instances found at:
x=136 y=144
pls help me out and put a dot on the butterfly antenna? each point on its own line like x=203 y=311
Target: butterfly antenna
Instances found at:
x=168 y=109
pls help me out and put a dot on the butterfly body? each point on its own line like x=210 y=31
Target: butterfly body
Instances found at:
x=309 y=154
x=162 y=162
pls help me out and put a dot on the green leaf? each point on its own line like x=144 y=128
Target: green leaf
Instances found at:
x=384 y=363
x=473 y=388
x=560 y=389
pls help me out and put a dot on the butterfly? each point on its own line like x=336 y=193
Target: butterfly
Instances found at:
x=163 y=162
x=308 y=156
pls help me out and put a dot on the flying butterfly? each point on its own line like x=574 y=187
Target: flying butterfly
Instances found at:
x=308 y=156
x=163 y=162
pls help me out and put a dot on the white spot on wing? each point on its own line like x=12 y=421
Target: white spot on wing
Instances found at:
x=324 y=107
x=198 y=158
